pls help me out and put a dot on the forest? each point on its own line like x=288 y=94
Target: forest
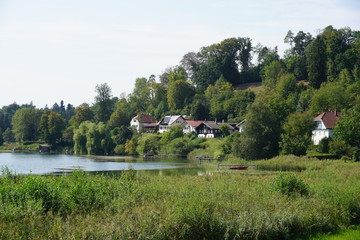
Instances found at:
x=228 y=81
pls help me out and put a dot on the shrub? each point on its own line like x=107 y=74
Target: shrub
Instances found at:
x=323 y=146
x=289 y=185
x=119 y=149
x=339 y=148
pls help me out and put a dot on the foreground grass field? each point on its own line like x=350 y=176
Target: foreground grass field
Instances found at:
x=285 y=198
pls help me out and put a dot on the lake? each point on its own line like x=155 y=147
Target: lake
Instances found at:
x=43 y=164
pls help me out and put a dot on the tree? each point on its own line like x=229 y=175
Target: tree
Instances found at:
x=224 y=128
x=260 y=138
x=348 y=127
x=172 y=75
x=1 y=138
x=122 y=114
x=6 y=114
x=180 y=94
x=289 y=38
x=103 y=104
x=82 y=113
x=273 y=72
x=296 y=137
x=51 y=126
x=199 y=111
x=9 y=136
x=286 y=85
x=330 y=96
x=140 y=98
x=25 y=124
x=120 y=135
x=174 y=132
x=316 y=62
x=80 y=138
x=148 y=143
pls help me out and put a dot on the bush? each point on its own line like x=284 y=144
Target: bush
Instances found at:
x=323 y=146
x=119 y=149
x=339 y=148
x=289 y=185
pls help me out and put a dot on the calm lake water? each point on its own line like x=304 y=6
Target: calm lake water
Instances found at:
x=26 y=163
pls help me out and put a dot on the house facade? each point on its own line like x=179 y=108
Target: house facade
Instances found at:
x=190 y=125
x=212 y=129
x=143 y=123
x=324 y=124
x=169 y=121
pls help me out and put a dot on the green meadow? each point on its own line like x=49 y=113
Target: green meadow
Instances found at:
x=285 y=197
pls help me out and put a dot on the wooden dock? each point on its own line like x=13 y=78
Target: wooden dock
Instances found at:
x=205 y=158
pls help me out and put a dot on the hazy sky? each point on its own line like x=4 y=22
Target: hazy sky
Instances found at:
x=52 y=50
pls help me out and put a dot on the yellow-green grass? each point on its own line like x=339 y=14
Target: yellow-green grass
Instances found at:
x=219 y=205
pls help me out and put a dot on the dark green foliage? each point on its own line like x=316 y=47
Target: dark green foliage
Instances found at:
x=51 y=127
x=331 y=96
x=82 y=113
x=199 y=111
x=224 y=128
x=179 y=94
x=339 y=148
x=6 y=114
x=261 y=135
x=122 y=115
x=8 y=136
x=296 y=137
x=290 y=185
x=348 y=128
x=1 y=138
x=148 y=143
x=121 y=134
x=316 y=62
x=103 y=103
x=323 y=146
x=25 y=124
x=173 y=133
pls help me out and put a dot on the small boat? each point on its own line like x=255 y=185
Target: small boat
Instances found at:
x=239 y=168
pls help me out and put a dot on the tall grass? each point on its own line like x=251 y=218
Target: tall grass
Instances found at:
x=223 y=205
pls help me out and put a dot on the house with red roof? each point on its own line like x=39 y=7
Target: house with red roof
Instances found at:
x=143 y=123
x=324 y=125
x=190 y=125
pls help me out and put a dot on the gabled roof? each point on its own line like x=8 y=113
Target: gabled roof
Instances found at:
x=145 y=118
x=329 y=118
x=195 y=123
x=215 y=125
x=168 y=120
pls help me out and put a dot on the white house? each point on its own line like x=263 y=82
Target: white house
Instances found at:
x=169 y=121
x=324 y=124
x=190 y=125
x=143 y=123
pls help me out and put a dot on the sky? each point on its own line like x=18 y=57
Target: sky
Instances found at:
x=60 y=50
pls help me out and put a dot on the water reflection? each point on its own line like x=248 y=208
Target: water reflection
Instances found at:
x=60 y=163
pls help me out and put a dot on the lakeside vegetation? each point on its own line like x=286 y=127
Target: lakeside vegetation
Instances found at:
x=307 y=197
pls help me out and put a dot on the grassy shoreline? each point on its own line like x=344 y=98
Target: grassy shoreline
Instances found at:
x=219 y=205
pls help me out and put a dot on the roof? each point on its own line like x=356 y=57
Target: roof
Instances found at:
x=329 y=118
x=215 y=125
x=150 y=125
x=195 y=123
x=145 y=118
x=168 y=120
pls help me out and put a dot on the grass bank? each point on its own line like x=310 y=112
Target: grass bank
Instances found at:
x=324 y=197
